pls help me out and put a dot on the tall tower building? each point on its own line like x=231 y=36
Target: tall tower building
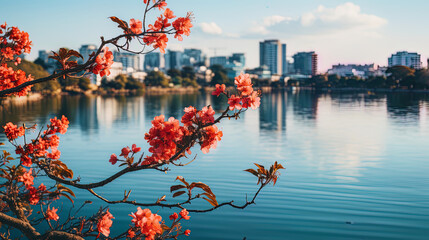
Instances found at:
x=130 y=61
x=86 y=50
x=305 y=63
x=273 y=55
x=153 y=60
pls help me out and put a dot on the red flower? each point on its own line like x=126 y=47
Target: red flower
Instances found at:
x=210 y=137
x=161 y=5
x=207 y=115
x=252 y=101
x=103 y=63
x=189 y=115
x=187 y=232
x=234 y=103
x=219 y=89
x=27 y=178
x=51 y=214
x=136 y=26
x=12 y=131
x=131 y=233
x=184 y=214
x=169 y=14
x=244 y=84
x=174 y=216
x=147 y=222
x=26 y=161
x=125 y=151
x=113 y=159
x=104 y=223
x=183 y=26
x=135 y=149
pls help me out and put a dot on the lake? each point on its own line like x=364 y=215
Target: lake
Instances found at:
x=357 y=165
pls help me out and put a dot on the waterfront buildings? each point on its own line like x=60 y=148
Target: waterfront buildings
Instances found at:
x=272 y=53
x=350 y=70
x=305 y=63
x=130 y=61
x=404 y=58
x=154 y=61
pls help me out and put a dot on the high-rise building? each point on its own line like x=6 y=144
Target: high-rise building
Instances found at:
x=153 y=60
x=273 y=54
x=305 y=63
x=44 y=55
x=193 y=57
x=86 y=50
x=238 y=58
x=219 y=60
x=130 y=61
x=173 y=60
x=408 y=59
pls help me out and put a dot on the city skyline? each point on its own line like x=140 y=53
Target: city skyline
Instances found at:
x=348 y=32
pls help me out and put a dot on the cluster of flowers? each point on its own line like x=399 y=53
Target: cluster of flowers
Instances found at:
x=35 y=149
x=145 y=222
x=33 y=193
x=38 y=148
x=166 y=137
x=103 y=63
x=13 y=43
x=246 y=97
x=156 y=36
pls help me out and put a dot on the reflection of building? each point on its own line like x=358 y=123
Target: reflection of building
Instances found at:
x=273 y=54
x=153 y=60
x=408 y=59
x=272 y=113
x=305 y=63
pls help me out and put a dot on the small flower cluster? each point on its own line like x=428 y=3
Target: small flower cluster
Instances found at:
x=33 y=193
x=39 y=148
x=13 y=132
x=103 y=63
x=183 y=215
x=147 y=223
x=125 y=153
x=156 y=37
x=51 y=214
x=13 y=43
x=104 y=224
x=246 y=97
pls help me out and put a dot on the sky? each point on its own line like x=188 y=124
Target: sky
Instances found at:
x=359 y=31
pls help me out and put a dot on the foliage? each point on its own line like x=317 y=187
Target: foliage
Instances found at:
x=37 y=72
x=156 y=78
x=220 y=76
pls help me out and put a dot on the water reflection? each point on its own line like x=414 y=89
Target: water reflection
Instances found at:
x=349 y=156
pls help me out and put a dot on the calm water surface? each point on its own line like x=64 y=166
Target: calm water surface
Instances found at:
x=357 y=165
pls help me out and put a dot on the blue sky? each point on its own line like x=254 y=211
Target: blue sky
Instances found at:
x=364 y=31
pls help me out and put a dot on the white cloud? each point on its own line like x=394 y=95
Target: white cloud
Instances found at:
x=323 y=20
x=344 y=15
x=262 y=28
x=210 y=28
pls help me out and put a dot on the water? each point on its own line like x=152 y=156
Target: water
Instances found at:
x=357 y=165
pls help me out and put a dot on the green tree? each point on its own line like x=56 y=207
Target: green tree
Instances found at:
x=156 y=78
x=37 y=71
x=220 y=76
